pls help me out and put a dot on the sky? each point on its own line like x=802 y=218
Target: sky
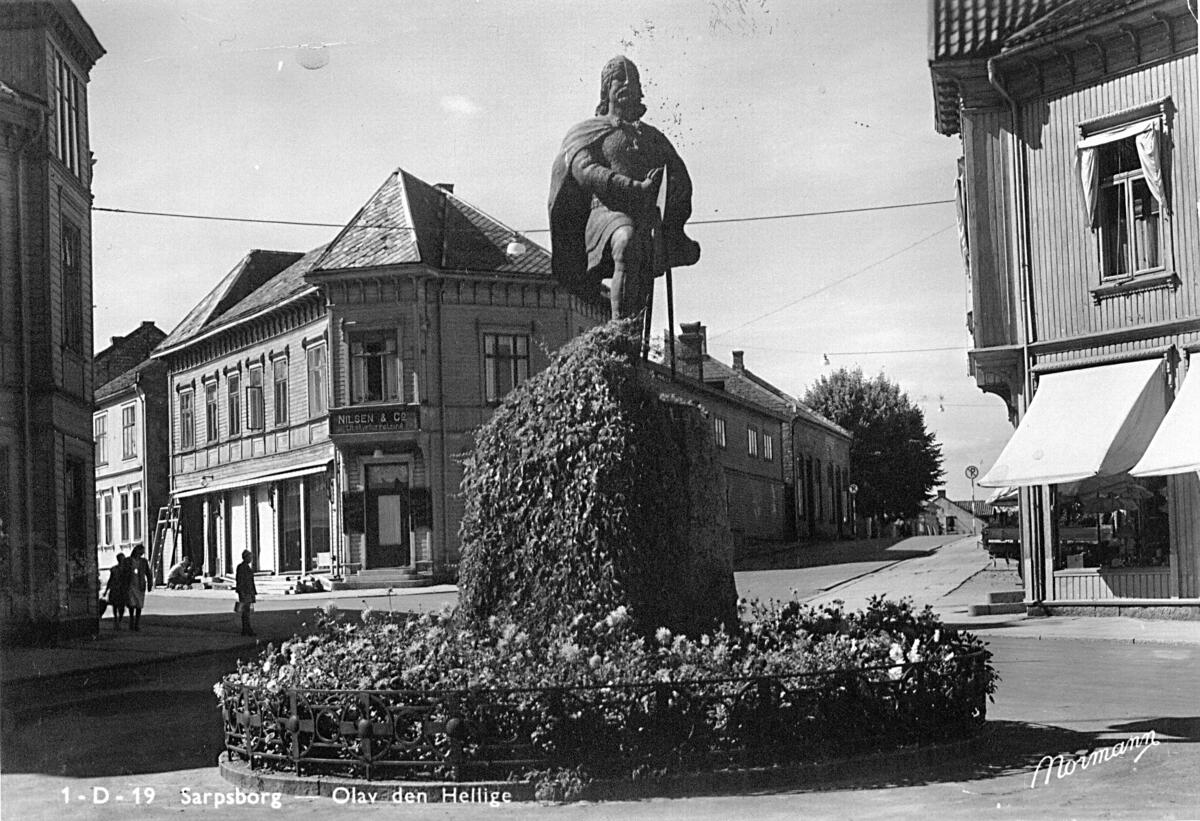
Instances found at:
x=299 y=110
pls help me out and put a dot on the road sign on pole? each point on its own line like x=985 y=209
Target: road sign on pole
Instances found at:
x=972 y=473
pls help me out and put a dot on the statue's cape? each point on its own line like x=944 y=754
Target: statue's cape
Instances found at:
x=570 y=204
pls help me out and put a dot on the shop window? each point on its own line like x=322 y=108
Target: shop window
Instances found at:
x=505 y=364
x=317 y=513
x=280 y=373
x=317 y=404
x=68 y=97
x=233 y=403
x=187 y=420
x=211 y=426
x=100 y=437
x=72 y=286
x=719 y=430
x=1112 y=522
x=374 y=367
x=255 y=413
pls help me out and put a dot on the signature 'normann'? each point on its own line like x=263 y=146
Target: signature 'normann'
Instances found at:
x=1066 y=766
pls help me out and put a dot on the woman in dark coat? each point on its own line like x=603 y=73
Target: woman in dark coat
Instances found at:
x=140 y=581
x=116 y=592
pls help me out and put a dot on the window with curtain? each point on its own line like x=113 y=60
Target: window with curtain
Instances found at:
x=1124 y=195
x=374 y=367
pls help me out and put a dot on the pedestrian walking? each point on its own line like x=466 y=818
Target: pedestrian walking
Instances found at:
x=140 y=582
x=116 y=592
x=246 y=592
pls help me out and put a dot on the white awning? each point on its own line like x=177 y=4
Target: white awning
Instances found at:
x=1176 y=446
x=1083 y=423
x=254 y=479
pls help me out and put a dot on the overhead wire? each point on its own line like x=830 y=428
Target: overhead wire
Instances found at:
x=708 y=221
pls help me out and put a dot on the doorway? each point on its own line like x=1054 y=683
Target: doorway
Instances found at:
x=387 y=516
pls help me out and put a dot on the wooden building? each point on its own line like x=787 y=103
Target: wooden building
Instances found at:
x=1079 y=128
x=321 y=402
x=131 y=441
x=48 y=577
x=786 y=467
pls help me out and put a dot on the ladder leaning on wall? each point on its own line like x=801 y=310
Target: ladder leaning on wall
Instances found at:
x=168 y=519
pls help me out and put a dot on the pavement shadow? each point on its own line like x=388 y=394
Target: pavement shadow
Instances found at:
x=1166 y=728
x=797 y=557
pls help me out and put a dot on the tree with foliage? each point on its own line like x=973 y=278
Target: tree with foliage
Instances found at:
x=894 y=460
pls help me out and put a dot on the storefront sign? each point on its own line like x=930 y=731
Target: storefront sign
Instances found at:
x=376 y=419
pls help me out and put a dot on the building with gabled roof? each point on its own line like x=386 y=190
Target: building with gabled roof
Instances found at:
x=130 y=437
x=321 y=401
x=787 y=468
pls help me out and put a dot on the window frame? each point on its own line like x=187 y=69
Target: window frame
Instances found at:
x=100 y=437
x=68 y=95
x=280 y=376
x=135 y=507
x=71 y=258
x=719 y=431
x=752 y=449
x=123 y=514
x=187 y=418
x=317 y=395
x=233 y=403
x=1158 y=113
x=129 y=431
x=1125 y=182
x=768 y=447
x=256 y=410
x=515 y=364
x=389 y=364
x=212 y=411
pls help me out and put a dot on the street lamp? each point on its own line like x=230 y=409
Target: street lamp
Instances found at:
x=853 y=518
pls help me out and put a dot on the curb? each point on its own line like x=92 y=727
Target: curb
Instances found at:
x=888 y=765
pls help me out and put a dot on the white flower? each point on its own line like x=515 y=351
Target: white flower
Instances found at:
x=569 y=651
x=937 y=636
x=896 y=653
x=219 y=690
x=914 y=653
x=662 y=635
x=705 y=640
x=366 y=614
x=595 y=661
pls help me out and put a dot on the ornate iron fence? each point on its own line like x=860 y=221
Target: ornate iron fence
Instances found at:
x=495 y=733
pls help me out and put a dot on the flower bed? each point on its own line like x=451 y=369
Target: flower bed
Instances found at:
x=433 y=697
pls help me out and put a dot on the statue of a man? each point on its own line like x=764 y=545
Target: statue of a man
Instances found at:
x=604 y=189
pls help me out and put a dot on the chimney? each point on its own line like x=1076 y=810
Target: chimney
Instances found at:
x=448 y=187
x=941 y=493
x=739 y=363
x=692 y=348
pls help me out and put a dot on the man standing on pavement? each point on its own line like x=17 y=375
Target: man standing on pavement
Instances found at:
x=246 y=592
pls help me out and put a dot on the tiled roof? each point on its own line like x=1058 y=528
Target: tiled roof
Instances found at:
x=409 y=221
x=980 y=508
x=1069 y=15
x=124 y=381
x=961 y=29
x=286 y=284
x=252 y=271
x=753 y=388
